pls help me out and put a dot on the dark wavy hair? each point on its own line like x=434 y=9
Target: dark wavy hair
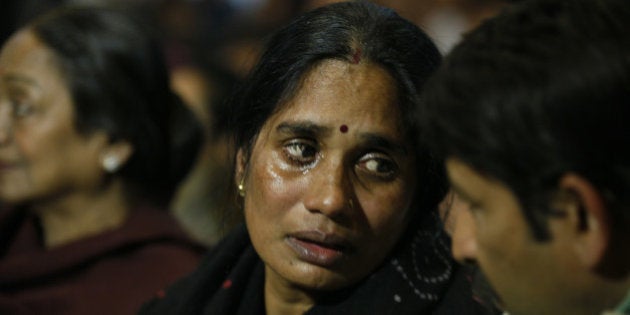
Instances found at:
x=335 y=32
x=119 y=84
x=538 y=91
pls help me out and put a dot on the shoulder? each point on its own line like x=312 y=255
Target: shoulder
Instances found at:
x=131 y=263
x=150 y=242
x=461 y=298
x=191 y=293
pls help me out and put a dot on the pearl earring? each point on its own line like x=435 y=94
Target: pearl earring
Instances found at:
x=111 y=163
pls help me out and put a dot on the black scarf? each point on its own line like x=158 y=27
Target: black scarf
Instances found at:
x=420 y=278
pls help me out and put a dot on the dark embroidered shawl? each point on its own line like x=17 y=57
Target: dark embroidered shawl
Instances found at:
x=420 y=278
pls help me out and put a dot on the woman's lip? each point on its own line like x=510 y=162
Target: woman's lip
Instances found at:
x=318 y=248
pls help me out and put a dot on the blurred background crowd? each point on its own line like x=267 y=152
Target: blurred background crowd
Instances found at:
x=210 y=46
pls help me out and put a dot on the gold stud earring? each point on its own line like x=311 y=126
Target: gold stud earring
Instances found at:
x=241 y=188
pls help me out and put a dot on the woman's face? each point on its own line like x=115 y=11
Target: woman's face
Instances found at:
x=41 y=153
x=330 y=179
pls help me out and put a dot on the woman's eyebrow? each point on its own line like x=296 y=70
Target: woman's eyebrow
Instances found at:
x=380 y=141
x=303 y=128
x=17 y=78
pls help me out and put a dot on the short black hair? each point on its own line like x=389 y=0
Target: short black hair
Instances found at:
x=120 y=84
x=336 y=31
x=538 y=91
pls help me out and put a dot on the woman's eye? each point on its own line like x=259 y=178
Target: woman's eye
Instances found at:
x=300 y=152
x=379 y=165
x=22 y=109
x=474 y=207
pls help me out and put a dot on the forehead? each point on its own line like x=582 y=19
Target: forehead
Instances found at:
x=465 y=180
x=26 y=54
x=339 y=92
x=477 y=186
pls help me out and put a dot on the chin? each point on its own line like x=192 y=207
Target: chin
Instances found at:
x=320 y=279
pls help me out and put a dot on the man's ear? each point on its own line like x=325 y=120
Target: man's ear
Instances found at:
x=589 y=219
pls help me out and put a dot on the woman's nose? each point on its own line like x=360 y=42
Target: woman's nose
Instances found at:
x=329 y=190
x=463 y=232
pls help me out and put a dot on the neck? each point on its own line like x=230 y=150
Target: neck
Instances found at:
x=282 y=297
x=605 y=296
x=78 y=215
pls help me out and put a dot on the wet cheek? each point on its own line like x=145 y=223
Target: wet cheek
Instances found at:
x=274 y=189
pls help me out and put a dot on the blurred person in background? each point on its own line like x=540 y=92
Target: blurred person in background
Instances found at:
x=202 y=203
x=530 y=111
x=92 y=146
x=446 y=20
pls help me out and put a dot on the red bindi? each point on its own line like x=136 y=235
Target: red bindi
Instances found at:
x=227 y=284
x=343 y=128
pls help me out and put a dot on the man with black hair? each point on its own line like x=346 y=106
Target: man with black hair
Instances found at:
x=530 y=112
